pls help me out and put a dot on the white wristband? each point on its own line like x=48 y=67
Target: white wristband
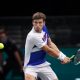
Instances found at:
x=61 y=56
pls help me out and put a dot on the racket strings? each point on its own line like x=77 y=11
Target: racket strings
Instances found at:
x=77 y=58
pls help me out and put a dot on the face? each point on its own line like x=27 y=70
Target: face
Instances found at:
x=38 y=24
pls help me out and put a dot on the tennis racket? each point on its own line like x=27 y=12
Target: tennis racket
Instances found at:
x=76 y=58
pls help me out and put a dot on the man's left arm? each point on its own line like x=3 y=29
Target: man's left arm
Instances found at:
x=52 y=45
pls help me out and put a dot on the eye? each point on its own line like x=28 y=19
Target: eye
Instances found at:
x=35 y=22
x=40 y=22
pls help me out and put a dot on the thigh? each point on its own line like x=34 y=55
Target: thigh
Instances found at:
x=47 y=73
x=42 y=76
x=30 y=74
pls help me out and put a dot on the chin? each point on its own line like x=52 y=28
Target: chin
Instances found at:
x=38 y=31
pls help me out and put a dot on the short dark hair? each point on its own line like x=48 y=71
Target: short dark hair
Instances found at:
x=39 y=15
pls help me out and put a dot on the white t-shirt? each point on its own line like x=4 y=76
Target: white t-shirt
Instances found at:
x=34 y=55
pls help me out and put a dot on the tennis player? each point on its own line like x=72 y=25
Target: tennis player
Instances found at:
x=38 y=44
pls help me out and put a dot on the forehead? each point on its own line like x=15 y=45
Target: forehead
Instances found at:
x=38 y=20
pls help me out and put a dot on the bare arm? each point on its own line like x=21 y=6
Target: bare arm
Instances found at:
x=52 y=45
x=56 y=54
x=52 y=49
x=52 y=52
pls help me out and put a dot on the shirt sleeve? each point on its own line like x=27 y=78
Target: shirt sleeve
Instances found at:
x=28 y=49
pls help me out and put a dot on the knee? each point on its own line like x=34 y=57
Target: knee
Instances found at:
x=56 y=79
x=29 y=77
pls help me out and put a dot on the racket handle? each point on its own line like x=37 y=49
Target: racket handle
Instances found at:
x=72 y=57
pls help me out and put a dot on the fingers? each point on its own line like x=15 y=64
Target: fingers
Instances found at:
x=66 y=60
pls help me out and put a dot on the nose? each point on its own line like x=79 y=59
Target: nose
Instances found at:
x=37 y=24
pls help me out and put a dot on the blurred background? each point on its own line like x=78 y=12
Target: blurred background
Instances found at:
x=63 y=23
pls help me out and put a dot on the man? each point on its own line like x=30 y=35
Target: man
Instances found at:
x=13 y=59
x=38 y=43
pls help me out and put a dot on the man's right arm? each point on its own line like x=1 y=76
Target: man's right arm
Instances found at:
x=52 y=52
x=57 y=54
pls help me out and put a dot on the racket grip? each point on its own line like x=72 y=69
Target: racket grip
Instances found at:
x=72 y=57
